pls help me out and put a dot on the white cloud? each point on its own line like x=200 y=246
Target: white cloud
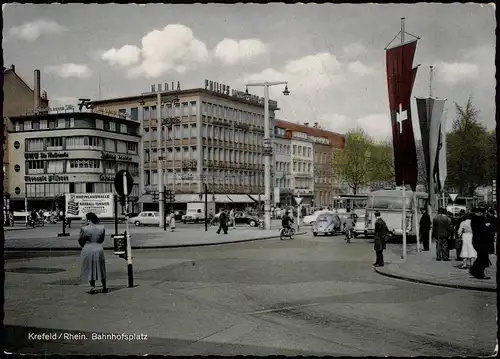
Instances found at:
x=31 y=31
x=174 y=48
x=231 y=52
x=455 y=72
x=69 y=70
x=359 y=68
x=125 y=56
x=306 y=74
x=378 y=126
x=353 y=50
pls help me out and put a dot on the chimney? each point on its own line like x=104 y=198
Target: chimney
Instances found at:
x=315 y=125
x=13 y=67
x=37 y=102
x=306 y=123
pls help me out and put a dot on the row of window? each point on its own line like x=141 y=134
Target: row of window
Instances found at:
x=232 y=114
x=210 y=154
x=81 y=143
x=48 y=190
x=79 y=122
x=302 y=167
x=323 y=158
x=212 y=132
x=187 y=108
x=216 y=177
x=80 y=165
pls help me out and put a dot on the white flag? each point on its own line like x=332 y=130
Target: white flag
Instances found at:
x=442 y=152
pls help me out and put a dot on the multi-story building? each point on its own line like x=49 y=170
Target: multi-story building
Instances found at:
x=282 y=170
x=19 y=97
x=312 y=176
x=58 y=152
x=209 y=136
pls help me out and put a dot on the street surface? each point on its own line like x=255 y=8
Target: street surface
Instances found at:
x=309 y=296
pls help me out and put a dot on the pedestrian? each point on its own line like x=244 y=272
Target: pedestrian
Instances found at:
x=467 y=252
x=231 y=218
x=171 y=222
x=441 y=230
x=425 y=228
x=491 y=228
x=456 y=222
x=479 y=242
x=381 y=232
x=93 y=264
x=222 y=222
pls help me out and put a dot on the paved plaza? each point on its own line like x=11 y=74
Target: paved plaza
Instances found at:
x=309 y=296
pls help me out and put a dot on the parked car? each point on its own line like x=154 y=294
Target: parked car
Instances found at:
x=178 y=215
x=193 y=215
x=242 y=218
x=307 y=220
x=326 y=223
x=359 y=227
x=147 y=218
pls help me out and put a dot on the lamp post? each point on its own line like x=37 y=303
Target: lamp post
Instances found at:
x=159 y=162
x=268 y=147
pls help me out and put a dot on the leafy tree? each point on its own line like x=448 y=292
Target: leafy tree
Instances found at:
x=469 y=151
x=352 y=164
x=382 y=162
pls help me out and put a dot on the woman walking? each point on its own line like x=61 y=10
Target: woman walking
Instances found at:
x=92 y=256
x=468 y=252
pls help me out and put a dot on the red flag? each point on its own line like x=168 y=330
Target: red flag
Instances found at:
x=400 y=78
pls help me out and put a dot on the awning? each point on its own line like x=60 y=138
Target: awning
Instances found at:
x=253 y=199
x=240 y=198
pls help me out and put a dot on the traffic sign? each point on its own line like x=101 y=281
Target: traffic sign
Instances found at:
x=298 y=200
x=453 y=196
x=123 y=183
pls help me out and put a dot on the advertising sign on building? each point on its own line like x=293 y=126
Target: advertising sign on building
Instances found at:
x=79 y=204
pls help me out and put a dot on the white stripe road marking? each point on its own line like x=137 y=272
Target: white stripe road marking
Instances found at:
x=283 y=308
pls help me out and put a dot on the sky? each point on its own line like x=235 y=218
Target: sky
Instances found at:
x=331 y=55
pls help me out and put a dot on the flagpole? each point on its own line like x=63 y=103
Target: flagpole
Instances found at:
x=403 y=217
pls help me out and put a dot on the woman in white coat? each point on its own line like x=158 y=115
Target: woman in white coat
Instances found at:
x=468 y=252
x=171 y=222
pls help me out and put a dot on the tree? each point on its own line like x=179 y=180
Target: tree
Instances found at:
x=352 y=164
x=469 y=148
x=382 y=162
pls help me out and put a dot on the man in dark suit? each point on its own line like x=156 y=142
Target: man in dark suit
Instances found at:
x=222 y=222
x=425 y=228
x=441 y=230
x=480 y=244
x=381 y=232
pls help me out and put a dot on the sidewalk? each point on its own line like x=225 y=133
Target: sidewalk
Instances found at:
x=152 y=238
x=423 y=268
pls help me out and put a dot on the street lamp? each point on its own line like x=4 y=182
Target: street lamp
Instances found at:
x=268 y=146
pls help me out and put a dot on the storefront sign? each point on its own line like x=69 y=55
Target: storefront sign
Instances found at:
x=217 y=87
x=105 y=178
x=225 y=90
x=49 y=178
x=50 y=109
x=48 y=155
x=79 y=204
x=114 y=157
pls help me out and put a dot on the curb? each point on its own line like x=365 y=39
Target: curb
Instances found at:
x=38 y=249
x=423 y=281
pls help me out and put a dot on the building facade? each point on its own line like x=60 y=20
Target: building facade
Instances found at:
x=19 y=98
x=52 y=154
x=311 y=172
x=209 y=136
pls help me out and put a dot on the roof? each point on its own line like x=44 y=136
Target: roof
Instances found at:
x=10 y=69
x=336 y=139
x=152 y=96
x=396 y=193
x=73 y=114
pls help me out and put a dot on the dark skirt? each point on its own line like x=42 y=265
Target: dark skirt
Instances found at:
x=93 y=264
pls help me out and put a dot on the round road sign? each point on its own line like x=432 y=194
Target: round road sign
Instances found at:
x=123 y=182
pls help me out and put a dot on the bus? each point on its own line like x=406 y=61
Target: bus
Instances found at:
x=351 y=203
x=390 y=205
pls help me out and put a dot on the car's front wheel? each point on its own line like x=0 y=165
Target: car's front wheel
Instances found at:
x=137 y=223
x=315 y=234
x=252 y=223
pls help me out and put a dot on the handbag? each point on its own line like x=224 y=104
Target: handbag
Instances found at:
x=81 y=239
x=451 y=243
